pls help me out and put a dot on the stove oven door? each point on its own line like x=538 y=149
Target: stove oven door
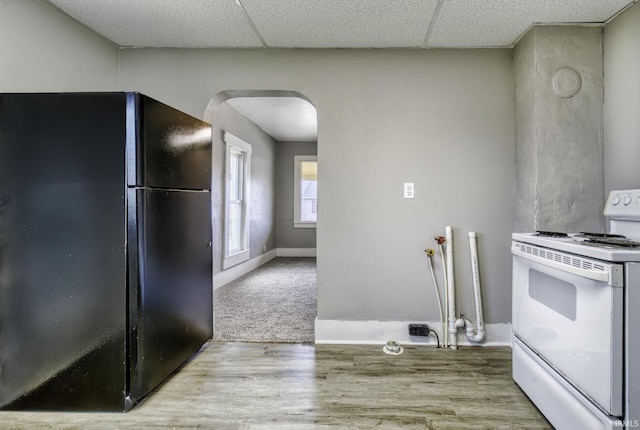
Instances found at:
x=568 y=310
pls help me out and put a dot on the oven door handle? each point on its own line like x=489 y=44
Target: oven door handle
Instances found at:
x=612 y=277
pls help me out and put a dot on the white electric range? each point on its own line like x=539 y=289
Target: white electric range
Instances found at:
x=576 y=309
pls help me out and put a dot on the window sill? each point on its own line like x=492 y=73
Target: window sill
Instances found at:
x=304 y=225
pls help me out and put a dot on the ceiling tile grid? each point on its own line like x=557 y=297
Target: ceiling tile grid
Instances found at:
x=341 y=23
x=328 y=23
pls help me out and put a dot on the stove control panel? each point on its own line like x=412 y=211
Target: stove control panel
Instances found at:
x=623 y=205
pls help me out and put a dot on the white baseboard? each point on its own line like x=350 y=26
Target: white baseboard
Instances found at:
x=380 y=332
x=223 y=278
x=296 y=252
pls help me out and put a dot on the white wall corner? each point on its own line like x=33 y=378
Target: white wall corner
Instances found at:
x=296 y=252
x=223 y=278
x=380 y=332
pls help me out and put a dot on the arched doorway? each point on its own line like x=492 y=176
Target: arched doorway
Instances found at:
x=277 y=129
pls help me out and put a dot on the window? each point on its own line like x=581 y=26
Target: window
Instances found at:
x=237 y=181
x=305 y=213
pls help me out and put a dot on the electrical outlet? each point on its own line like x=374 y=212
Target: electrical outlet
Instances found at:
x=409 y=190
x=418 y=330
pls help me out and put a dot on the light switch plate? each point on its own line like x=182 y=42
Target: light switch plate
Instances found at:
x=409 y=190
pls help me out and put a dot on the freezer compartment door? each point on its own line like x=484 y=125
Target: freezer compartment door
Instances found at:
x=171 y=289
x=166 y=148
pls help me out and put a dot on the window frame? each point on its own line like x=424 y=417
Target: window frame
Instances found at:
x=237 y=146
x=297 y=191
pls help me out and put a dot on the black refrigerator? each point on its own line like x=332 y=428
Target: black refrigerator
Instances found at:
x=105 y=248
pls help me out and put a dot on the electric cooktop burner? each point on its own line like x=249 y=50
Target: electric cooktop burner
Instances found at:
x=551 y=233
x=609 y=239
x=601 y=234
x=613 y=241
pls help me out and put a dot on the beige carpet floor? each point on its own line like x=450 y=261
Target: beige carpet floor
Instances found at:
x=274 y=303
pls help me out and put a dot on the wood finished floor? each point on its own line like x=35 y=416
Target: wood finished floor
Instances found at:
x=294 y=386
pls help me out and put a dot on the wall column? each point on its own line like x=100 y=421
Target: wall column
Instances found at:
x=559 y=129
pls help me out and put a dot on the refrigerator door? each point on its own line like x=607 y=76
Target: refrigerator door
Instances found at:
x=170 y=149
x=170 y=282
x=62 y=251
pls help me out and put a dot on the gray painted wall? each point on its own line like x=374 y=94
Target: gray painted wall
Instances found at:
x=262 y=227
x=442 y=119
x=622 y=101
x=41 y=49
x=286 y=235
x=559 y=134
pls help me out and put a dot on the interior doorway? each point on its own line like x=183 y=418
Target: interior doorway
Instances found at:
x=279 y=128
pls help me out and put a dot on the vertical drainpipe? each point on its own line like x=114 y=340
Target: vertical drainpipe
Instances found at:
x=451 y=293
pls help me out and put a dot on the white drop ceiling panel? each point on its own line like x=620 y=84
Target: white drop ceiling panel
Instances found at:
x=164 y=23
x=341 y=23
x=498 y=23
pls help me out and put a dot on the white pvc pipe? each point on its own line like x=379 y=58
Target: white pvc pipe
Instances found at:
x=435 y=287
x=445 y=331
x=451 y=293
x=475 y=273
